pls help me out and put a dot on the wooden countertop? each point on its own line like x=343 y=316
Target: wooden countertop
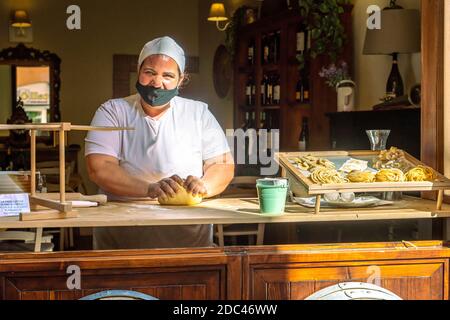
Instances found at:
x=226 y=211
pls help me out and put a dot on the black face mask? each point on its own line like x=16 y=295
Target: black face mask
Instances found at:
x=155 y=96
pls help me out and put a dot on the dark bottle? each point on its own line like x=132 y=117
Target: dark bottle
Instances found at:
x=249 y=87
x=276 y=90
x=265 y=49
x=269 y=92
x=277 y=46
x=252 y=122
x=263 y=90
x=300 y=39
x=306 y=93
x=268 y=125
x=303 y=139
x=394 y=86
x=246 y=123
x=299 y=90
x=251 y=53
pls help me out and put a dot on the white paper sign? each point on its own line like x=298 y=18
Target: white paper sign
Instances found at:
x=14 y=204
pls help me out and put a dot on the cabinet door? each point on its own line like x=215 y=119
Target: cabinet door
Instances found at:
x=181 y=276
x=411 y=280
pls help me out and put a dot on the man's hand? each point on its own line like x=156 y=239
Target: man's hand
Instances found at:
x=165 y=188
x=195 y=186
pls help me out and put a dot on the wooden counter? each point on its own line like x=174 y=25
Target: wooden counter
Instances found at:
x=225 y=211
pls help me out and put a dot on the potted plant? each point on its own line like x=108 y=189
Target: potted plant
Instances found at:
x=337 y=76
x=323 y=20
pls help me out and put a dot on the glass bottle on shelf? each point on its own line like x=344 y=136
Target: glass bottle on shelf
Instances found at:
x=277 y=46
x=299 y=90
x=265 y=50
x=251 y=53
x=252 y=124
x=306 y=93
x=276 y=90
x=269 y=86
x=249 y=91
x=268 y=125
x=246 y=123
x=300 y=39
x=303 y=139
x=263 y=90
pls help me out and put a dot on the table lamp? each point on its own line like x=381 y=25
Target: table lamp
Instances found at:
x=399 y=33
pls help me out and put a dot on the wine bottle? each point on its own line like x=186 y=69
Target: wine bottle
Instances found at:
x=394 y=86
x=251 y=53
x=277 y=46
x=301 y=38
x=263 y=91
x=265 y=51
x=269 y=85
x=299 y=90
x=246 y=122
x=276 y=90
x=306 y=94
x=268 y=124
x=303 y=139
x=249 y=87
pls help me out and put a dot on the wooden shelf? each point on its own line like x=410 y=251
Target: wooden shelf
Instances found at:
x=288 y=114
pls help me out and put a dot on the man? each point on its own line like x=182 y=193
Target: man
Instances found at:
x=176 y=141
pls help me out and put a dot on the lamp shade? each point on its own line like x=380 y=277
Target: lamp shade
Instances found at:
x=399 y=33
x=20 y=19
x=217 y=12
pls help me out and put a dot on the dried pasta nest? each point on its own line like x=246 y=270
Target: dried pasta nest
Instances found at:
x=310 y=163
x=324 y=175
x=420 y=173
x=390 y=175
x=361 y=176
x=393 y=158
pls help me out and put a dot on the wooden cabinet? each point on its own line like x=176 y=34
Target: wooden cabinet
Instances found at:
x=412 y=271
x=287 y=113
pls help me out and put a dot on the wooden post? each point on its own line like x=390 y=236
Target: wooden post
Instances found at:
x=440 y=199
x=62 y=166
x=33 y=162
x=38 y=240
x=317 y=209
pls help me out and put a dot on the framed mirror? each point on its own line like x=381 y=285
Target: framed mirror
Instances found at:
x=34 y=77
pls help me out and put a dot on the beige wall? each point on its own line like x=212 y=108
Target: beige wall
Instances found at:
x=210 y=38
x=372 y=71
x=108 y=27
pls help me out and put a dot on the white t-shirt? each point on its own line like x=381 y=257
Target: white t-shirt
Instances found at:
x=177 y=143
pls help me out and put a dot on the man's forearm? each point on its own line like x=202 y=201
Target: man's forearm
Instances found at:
x=217 y=177
x=113 y=179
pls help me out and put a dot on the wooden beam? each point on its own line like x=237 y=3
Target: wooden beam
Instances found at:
x=47 y=215
x=432 y=138
x=52 y=204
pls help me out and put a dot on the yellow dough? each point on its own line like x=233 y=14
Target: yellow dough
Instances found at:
x=182 y=198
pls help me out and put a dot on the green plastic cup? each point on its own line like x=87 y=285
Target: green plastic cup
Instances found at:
x=272 y=195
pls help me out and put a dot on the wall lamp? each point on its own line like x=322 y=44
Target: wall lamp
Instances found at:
x=217 y=14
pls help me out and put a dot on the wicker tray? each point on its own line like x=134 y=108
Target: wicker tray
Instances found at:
x=339 y=157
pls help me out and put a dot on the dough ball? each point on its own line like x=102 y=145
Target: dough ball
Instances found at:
x=182 y=198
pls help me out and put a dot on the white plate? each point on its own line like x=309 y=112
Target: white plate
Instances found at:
x=359 y=202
